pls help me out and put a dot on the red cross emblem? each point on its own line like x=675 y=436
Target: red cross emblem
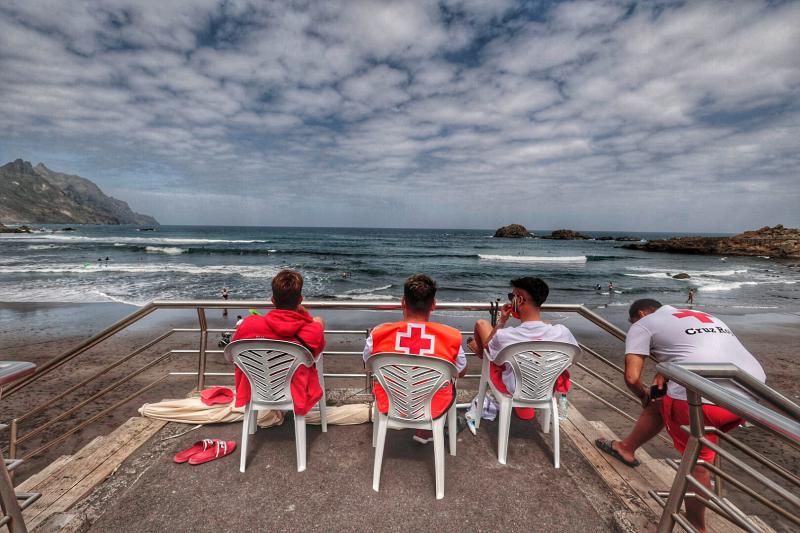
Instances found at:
x=702 y=317
x=415 y=341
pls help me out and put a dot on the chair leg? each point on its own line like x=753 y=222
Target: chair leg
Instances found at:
x=452 y=428
x=505 y=426
x=438 y=456
x=300 y=441
x=547 y=416
x=556 y=437
x=382 y=422
x=375 y=416
x=253 y=421
x=245 y=438
x=323 y=401
x=482 y=389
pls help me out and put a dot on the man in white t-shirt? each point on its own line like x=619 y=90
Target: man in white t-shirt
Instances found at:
x=525 y=301
x=678 y=336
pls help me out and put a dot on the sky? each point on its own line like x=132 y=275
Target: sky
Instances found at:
x=616 y=115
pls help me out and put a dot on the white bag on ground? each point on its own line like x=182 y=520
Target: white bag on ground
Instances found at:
x=194 y=411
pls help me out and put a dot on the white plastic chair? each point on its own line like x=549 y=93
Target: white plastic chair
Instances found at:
x=269 y=366
x=410 y=382
x=536 y=365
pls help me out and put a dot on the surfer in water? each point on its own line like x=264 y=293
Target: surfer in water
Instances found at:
x=610 y=287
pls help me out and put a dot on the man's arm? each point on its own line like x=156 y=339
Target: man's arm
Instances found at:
x=461 y=362
x=505 y=314
x=634 y=365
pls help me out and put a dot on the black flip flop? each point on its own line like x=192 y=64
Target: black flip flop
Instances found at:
x=607 y=446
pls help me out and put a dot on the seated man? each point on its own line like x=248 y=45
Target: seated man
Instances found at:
x=415 y=334
x=289 y=321
x=679 y=336
x=525 y=301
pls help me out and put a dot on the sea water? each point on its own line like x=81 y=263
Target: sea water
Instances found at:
x=195 y=262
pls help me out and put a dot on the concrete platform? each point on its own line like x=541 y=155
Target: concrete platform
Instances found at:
x=335 y=492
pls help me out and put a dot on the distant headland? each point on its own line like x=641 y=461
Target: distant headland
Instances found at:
x=774 y=242
x=38 y=195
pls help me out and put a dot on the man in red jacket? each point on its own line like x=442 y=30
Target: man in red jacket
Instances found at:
x=289 y=321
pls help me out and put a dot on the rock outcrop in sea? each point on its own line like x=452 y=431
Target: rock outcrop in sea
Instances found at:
x=776 y=242
x=39 y=195
x=512 y=231
x=566 y=235
x=21 y=229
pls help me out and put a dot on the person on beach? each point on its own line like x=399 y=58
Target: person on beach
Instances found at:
x=690 y=299
x=417 y=335
x=224 y=294
x=610 y=287
x=289 y=321
x=681 y=336
x=525 y=302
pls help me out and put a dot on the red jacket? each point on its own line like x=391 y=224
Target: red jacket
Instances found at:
x=292 y=326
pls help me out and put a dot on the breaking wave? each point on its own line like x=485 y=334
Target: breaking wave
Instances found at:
x=170 y=250
x=534 y=258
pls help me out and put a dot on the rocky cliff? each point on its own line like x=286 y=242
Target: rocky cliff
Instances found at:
x=777 y=242
x=37 y=194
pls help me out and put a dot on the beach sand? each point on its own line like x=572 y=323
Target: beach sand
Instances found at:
x=39 y=332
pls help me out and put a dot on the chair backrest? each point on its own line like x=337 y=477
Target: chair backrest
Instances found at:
x=537 y=365
x=410 y=382
x=269 y=366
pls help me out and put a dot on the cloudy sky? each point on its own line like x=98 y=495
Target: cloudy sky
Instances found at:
x=676 y=116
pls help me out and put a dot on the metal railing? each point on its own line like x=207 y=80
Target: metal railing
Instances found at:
x=201 y=352
x=773 y=413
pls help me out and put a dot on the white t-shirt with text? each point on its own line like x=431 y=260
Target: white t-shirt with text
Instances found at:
x=688 y=336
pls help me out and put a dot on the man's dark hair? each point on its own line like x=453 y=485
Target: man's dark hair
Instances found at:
x=287 y=286
x=419 y=291
x=536 y=288
x=645 y=304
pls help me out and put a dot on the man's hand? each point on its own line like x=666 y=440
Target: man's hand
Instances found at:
x=645 y=399
x=505 y=314
x=660 y=381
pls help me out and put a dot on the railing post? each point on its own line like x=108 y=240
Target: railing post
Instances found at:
x=12 y=440
x=688 y=462
x=718 y=479
x=201 y=356
x=9 y=500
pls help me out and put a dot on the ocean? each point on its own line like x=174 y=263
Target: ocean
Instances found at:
x=195 y=262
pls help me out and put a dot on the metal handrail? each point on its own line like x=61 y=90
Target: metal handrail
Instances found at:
x=202 y=351
x=697 y=379
x=152 y=306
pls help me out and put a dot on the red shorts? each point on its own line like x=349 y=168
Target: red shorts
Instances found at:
x=676 y=414
x=563 y=384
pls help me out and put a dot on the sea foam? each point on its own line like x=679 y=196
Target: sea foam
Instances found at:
x=534 y=258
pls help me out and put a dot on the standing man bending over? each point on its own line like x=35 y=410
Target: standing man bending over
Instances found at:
x=679 y=336
x=525 y=301
x=289 y=321
x=416 y=335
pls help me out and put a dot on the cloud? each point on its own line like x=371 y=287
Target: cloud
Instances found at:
x=456 y=113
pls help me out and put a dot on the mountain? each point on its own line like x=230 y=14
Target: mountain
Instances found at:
x=39 y=195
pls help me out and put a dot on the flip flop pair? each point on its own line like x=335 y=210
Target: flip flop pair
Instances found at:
x=607 y=446
x=204 y=451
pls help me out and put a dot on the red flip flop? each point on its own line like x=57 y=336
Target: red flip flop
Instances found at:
x=221 y=448
x=197 y=447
